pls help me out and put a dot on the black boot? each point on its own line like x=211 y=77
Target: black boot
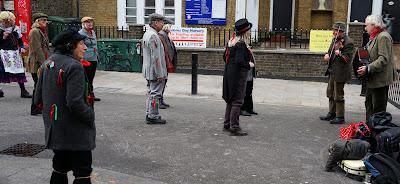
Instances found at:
x=227 y=128
x=58 y=178
x=85 y=180
x=338 y=120
x=244 y=113
x=238 y=132
x=163 y=105
x=35 y=110
x=328 y=117
x=1 y=93
x=155 y=121
x=25 y=94
x=252 y=112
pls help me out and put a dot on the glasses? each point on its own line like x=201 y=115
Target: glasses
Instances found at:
x=45 y=20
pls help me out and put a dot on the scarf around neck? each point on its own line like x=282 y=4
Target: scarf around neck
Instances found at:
x=374 y=32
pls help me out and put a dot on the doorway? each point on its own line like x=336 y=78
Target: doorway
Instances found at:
x=282 y=14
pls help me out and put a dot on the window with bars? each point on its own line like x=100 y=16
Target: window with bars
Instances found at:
x=131 y=13
x=138 y=11
x=149 y=8
x=169 y=9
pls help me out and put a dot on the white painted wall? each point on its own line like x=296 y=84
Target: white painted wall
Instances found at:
x=121 y=11
x=377 y=7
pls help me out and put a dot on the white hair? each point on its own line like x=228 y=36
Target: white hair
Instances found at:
x=166 y=27
x=375 y=20
x=238 y=38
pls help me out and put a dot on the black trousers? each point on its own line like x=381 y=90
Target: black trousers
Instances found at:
x=162 y=93
x=79 y=162
x=91 y=72
x=248 y=99
x=375 y=100
x=33 y=106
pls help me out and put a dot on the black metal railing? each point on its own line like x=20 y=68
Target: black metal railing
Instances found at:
x=101 y=31
x=216 y=37
x=263 y=38
x=394 y=92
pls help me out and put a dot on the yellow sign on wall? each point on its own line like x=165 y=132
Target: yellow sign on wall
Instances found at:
x=320 y=40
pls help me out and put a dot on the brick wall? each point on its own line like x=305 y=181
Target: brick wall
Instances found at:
x=263 y=13
x=58 y=8
x=321 y=20
x=303 y=18
x=104 y=11
x=340 y=10
x=355 y=32
x=308 y=17
x=272 y=63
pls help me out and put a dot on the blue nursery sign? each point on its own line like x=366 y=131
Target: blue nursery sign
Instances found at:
x=205 y=12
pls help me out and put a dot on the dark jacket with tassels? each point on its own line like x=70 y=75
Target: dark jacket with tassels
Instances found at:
x=68 y=113
x=237 y=67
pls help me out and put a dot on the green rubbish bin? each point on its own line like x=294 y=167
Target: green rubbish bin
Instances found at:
x=119 y=55
x=58 y=24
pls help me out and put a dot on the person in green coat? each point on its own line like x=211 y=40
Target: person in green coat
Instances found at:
x=339 y=57
x=380 y=72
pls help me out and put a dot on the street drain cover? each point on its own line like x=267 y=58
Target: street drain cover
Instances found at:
x=23 y=150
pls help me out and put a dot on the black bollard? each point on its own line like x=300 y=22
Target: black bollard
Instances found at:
x=194 y=73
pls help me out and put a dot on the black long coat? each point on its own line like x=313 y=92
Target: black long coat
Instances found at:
x=62 y=90
x=237 y=66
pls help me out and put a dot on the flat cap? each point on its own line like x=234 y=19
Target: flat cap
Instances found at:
x=155 y=17
x=67 y=36
x=36 y=16
x=340 y=26
x=84 y=19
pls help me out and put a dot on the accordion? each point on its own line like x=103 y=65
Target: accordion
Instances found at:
x=361 y=59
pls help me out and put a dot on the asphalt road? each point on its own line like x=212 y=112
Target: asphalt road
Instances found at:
x=286 y=144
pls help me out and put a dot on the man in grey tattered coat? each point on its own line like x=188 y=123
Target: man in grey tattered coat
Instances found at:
x=154 y=67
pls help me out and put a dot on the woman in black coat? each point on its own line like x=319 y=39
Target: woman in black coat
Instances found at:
x=63 y=93
x=237 y=64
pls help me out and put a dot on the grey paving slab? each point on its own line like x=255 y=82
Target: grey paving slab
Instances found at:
x=23 y=170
